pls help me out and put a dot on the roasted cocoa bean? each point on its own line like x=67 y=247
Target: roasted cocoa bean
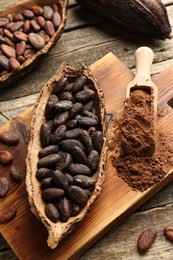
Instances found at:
x=68 y=87
x=52 y=194
x=58 y=134
x=86 y=113
x=64 y=209
x=84 y=96
x=47 y=12
x=168 y=232
x=86 y=141
x=79 y=155
x=52 y=212
x=75 y=209
x=9 y=138
x=14 y=64
x=89 y=106
x=146 y=239
x=60 y=180
x=61 y=119
x=47 y=183
x=48 y=161
x=50 y=110
x=59 y=86
x=4 y=186
x=52 y=149
x=16 y=174
x=43 y=173
x=36 y=41
x=66 y=96
x=69 y=178
x=73 y=134
x=7 y=214
x=64 y=161
x=70 y=124
x=76 y=109
x=87 y=122
x=77 y=195
x=97 y=140
x=68 y=145
x=5 y=157
x=93 y=160
x=45 y=133
x=49 y=28
x=84 y=181
x=63 y=105
x=56 y=19
x=79 y=169
x=92 y=130
x=79 y=83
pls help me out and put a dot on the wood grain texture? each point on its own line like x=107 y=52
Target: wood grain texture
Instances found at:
x=116 y=201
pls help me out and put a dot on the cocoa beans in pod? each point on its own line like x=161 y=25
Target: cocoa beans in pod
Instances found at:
x=25 y=24
x=65 y=165
x=147 y=17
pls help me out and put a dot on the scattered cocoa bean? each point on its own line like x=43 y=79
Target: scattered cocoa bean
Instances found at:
x=35 y=26
x=4 y=186
x=8 y=214
x=146 y=239
x=16 y=174
x=66 y=96
x=5 y=157
x=41 y=21
x=20 y=48
x=45 y=133
x=52 y=212
x=61 y=119
x=3 y=22
x=168 y=232
x=75 y=110
x=9 y=138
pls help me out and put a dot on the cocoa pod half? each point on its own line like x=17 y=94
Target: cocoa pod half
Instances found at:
x=145 y=17
x=40 y=37
x=54 y=188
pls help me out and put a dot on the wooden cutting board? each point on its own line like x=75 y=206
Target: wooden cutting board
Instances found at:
x=117 y=201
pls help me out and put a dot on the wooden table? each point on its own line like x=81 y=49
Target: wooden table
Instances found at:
x=87 y=38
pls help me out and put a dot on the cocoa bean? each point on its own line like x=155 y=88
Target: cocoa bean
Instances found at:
x=50 y=110
x=84 y=96
x=36 y=41
x=9 y=42
x=79 y=169
x=9 y=35
x=56 y=19
x=76 y=109
x=64 y=209
x=37 y=10
x=65 y=96
x=20 y=48
x=68 y=145
x=64 y=162
x=52 y=212
x=43 y=173
x=47 y=12
x=92 y=130
x=14 y=64
x=49 y=28
x=79 y=155
x=4 y=186
x=77 y=195
x=16 y=26
x=168 y=232
x=26 y=26
x=16 y=174
x=89 y=106
x=59 y=85
x=47 y=183
x=61 y=119
x=45 y=133
x=63 y=105
x=68 y=87
x=28 y=14
x=9 y=138
x=21 y=59
x=84 y=181
x=60 y=180
x=7 y=214
x=4 y=62
x=18 y=17
x=5 y=157
x=79 y=83
x=2 y=39
x=3 y=22
x=58 y=134
x=75 y=209
x=44 y=36
x=86 y=141
x=9 y=25
x=35 y=26
x=55 y=7
x=41 y=21
x=86 y=113
x=146 y=239
x=69 y=178
x=93 y=160
x=52 y=194
x=70 y=124
x=73 y=134
x=10 y=18
x=21 y=36
x=8 y=51
x=87 y=122
x=48 y=161
x=51 y=149
x=97 y=140
x=29 y=53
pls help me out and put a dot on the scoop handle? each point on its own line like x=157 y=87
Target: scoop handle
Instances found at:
x=144 y=58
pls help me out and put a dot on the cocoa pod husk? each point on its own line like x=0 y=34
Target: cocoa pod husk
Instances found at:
x=60 y=229
x=145 y=17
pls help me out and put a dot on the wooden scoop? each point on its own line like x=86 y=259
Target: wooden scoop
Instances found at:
x=142 y=80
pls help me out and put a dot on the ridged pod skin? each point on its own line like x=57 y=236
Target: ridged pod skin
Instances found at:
x=60 y=229
x=145 y=17
x=35 y=60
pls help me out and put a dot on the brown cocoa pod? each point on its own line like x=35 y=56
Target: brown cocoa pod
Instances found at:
x=47 y=183
x=20 y=48
x=87 y=122
x=36 y=41
x=77 y=195
x=5 y=157
x=43 y=173
x=60 y=180
x=79 y=155
x=60 y=85
x=86 y=141
x=79 y=169
x=68 y=145
x=84 y=96
x=48 y=161
x=48 y=150
x=79 y=83
x=8 y=213
x=73 y=134
x=9 y=138
x=37 y=10
x=56 y=19
x=64 y=209
x=45 y=133
x=146 y=239
x=64 y=161
x=52 y=212
x=16 y=174
x=58 y=134
x=84 y=181
x=76 y=109
x=93 y=160
x=97 y=140
x=168 y=232
x=4 y=186
x=63 y=105
x=28 y=14
x=61 y=119
x=52 y=194
x=8 y=51
x=14 y=64
x=49 y=28
x=47 y=12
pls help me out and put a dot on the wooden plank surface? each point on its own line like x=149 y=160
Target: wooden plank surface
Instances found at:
x=87 y=41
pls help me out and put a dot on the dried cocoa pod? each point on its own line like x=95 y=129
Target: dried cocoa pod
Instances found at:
x=63 y=171
x=146 y=17
x=22 y=19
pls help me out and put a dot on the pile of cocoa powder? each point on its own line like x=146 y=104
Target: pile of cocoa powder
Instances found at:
x=145 y=155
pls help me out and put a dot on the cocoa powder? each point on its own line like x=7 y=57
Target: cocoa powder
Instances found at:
x=141 y=154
